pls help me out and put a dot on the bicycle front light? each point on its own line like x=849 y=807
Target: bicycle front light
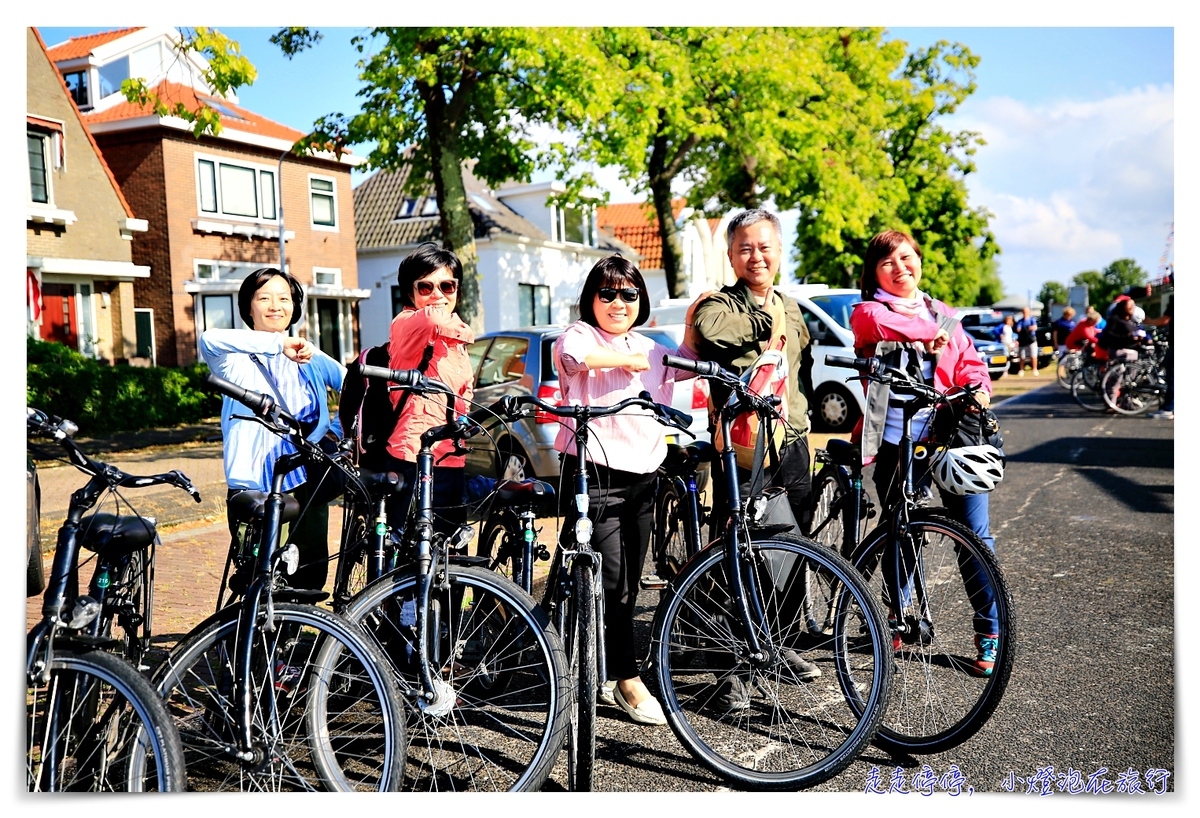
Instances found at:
x=583 y=530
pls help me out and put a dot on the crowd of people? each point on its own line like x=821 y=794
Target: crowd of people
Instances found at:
x=602 y=358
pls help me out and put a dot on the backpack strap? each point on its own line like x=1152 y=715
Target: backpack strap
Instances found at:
x=398 y=410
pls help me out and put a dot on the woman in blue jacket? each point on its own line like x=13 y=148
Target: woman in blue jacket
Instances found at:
x=263 y=357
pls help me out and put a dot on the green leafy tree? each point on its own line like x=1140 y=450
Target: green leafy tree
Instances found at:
x=1107 y=284
x=924 y=193
x=437 y=97
x=1053 y=292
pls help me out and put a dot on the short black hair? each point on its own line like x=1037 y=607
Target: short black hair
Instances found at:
x=613 y=271
x=254 y=282
x=422 y=261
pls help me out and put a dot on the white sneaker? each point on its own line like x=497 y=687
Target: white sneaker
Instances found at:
x=1161 y=414
x=605 y=695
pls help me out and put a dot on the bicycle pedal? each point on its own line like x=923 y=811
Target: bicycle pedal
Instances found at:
x=652 y=582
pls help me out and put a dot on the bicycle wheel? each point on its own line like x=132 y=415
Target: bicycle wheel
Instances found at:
x=1085 y=388
x=1068 y=365
x=324 y=712
x=670 y=537
x=96 y=725
x=830 y=495
x=755 y=721
x=351 y=576
x=473 y=736
x=581 y=758
x=1129 y=388
x=501 y=544
x=938 y=699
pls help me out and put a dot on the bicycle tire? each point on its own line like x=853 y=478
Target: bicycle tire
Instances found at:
x=783 y=733
x=351 y=574
x=334 y=721
x=499 y=544
x=938 y=701
x=474 y=738
x=1089 y=397
x=670 y=547
x=1128 y=388
x=581 y=761
x=828 y=528
x=1068 y=365
x=110 y=729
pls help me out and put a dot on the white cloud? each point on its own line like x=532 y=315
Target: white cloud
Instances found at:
x=1074 y=185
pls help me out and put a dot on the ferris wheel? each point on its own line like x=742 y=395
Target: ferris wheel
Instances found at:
x=1166 y=264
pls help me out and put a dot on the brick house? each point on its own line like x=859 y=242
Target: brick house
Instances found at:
x=80 y=271
x=215 y=205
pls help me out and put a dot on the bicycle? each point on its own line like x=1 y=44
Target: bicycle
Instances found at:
x=937 y=578
x=1085 y=382
x=1137 y=387
x=93 y=723
x=122 y=583
x=726 y=629
x=274 y=695
x=1068 y=364
x=509 y=540
x=682 y=524
x=574 y=593
x=481 y=670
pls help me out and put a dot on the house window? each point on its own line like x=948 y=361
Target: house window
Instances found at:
x=210 y=270
x=236 y=189
x=112 y=75
x=39 y=173
x=324 y=203
x=408 y=208
x=534 y=304
x=331 y=276
x=144 y=329
x=218 y=311
x=575 y=224
x=430 y=208
x=77 y=84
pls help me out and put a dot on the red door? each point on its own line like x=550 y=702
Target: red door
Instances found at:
x=58 y=314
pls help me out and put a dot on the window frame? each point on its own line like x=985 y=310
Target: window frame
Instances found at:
x=219 y=213
x=336 y=272
x=331 y=193
x=532 y=289
x=47 y=142
x=559 y=220
x=85 y=83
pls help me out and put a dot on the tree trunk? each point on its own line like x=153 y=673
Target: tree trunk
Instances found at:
x=668 y=232
x=458 y=230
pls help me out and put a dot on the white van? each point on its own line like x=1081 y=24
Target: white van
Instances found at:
x=836 y=405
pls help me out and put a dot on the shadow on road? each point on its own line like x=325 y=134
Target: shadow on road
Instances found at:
x=1106 y=452
x=1134 y=496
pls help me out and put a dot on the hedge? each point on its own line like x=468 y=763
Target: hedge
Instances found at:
x=103 y=399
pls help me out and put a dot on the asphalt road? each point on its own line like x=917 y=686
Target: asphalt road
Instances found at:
x=1084 y=525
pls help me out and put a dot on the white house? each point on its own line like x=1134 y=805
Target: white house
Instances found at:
x=533 y=255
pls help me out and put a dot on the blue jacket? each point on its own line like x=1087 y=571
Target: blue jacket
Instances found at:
x=251 y=450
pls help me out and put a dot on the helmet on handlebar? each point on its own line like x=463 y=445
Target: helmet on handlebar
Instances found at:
x=969 y=469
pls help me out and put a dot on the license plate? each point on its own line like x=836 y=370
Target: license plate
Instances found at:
x=672 y=439
x=1047 y=350
x=999 y=359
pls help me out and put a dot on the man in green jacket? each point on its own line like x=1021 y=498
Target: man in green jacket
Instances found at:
x=733 y=327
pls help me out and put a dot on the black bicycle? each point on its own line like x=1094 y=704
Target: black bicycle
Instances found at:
x=942 y=587
x=681 y=518
x=93 y=723
x=269 y=694
x=481 y=669
x=727 y=640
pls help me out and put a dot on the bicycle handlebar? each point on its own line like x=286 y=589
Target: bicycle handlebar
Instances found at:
x=511 y=407
x=876 y=370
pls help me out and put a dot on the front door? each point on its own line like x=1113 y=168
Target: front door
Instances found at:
x=58 y=314
x=328 y=330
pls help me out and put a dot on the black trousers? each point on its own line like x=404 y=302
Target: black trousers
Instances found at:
x=622 y=512
x=793 y=473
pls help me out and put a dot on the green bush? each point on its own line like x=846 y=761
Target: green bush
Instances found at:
x=102 y=399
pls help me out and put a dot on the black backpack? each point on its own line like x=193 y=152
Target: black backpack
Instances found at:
x=365 y=408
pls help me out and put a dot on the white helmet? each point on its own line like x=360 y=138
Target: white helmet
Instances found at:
x=969 y=469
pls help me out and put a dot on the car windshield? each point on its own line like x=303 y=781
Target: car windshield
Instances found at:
x=837 y=307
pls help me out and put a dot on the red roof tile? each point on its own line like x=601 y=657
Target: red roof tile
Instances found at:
x=82 y=46
x=172 y=92
x=635 y=224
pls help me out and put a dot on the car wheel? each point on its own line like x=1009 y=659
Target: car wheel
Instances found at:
x=836 y=409
x=508 y=447
x=995 y=376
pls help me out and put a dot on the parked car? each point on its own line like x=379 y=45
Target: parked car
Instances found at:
x=520 y=362
x=983 y=322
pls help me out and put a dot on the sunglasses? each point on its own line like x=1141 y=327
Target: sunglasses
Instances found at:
x=447 y=287
x=608 y=294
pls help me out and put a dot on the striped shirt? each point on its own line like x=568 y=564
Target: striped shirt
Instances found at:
x=631 y=441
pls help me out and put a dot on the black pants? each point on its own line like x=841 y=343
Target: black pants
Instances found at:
x=622 y=511
x=793 y=473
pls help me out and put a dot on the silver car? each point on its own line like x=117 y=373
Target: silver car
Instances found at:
x=520 y=362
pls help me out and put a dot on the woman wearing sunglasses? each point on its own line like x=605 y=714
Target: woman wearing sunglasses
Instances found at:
x=427 y=335
x=602 y=361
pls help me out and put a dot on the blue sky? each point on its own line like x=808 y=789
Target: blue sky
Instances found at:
x=1078 y=169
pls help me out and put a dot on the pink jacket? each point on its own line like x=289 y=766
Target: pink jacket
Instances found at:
x=959 y=363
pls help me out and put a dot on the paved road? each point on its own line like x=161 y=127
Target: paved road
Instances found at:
x=1084 y=524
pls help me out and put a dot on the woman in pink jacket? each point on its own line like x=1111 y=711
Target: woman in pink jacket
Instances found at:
x=918 y=334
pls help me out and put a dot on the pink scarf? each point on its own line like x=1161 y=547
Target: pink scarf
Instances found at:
x=915 y=307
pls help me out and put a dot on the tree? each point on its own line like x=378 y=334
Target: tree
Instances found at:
x=1053 y=292
x=924 y=192
x=742 y=115
x=1106 y=285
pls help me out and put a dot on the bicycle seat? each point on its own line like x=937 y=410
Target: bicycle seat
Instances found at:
x=523 y=491
x=111 y=535
x=246 y=506
x=687 y=458
x=844 y=453
x=381 y=484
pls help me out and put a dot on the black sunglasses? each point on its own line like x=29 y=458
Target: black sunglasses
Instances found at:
x=447 y=287
x=628 y=294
